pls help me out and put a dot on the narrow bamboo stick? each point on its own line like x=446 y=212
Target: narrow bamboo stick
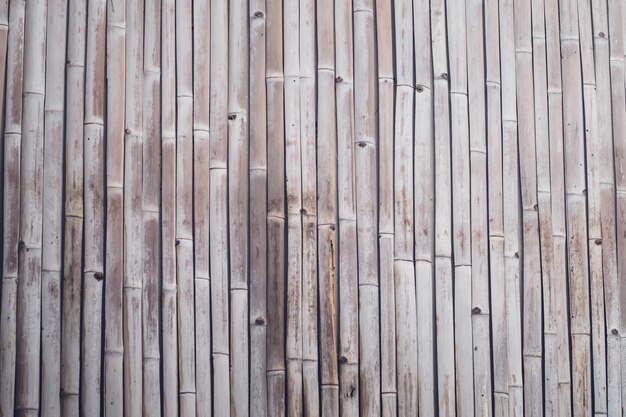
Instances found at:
x=151 y=201
x=94 y=233
x=52 y=245
x=384 y=37
x=238 y=163
x=308 y=96
x=258 y=211
x=201 y=203
x=347 y=251
x=218 y=215
x=169 y=296
x=327 y=209
x=72 y=250
x=133 y=212
x=443 y=214
x=114 y=263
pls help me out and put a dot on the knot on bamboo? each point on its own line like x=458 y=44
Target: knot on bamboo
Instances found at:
x=476 y=310
x=444 y=75
x=232 y=116
x=99 y=276
x=343 y=360
x=260 y=321
x=614 y=332
x=598 y=242
x=419 y=88
x=601 y=34
x=258 y=14
x=339 y=79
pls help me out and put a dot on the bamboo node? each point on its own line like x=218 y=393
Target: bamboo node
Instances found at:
x=598 y=242
x=258 y=14
x=232 y=116
x=614 y=332
x=476 y=310
x=259 y=320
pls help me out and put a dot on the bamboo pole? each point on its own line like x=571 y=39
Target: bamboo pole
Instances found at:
x=151 y=200
x=52 y=245
x=184 y=210
x=133 y=213
x=201 y=203
x=114 y=263
x=310 y=364
x=72 y=250
x=218 y=185
x=258 y=211
x=27 y=369
x=366 y=210
x=443 y=214
x=384 y=37
x=94 y=233
x=238 y=187
x=327 y=209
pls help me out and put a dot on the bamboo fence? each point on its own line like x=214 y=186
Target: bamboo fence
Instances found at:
x=330 y=208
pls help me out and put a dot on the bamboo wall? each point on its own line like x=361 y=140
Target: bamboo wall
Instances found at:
x=313 y=208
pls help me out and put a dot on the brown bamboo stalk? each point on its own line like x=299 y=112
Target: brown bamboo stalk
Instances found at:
x=384 y=36
x=169 y=300
x=52 y=208
x=310 y=365
x=366 y=206
x=327 y=209
x=219 y=206
x=133 y=212
x=201 y=115
x=114 y=263
x=151 y=200
x=258 y=211
x=72 y=266
x=238 y=163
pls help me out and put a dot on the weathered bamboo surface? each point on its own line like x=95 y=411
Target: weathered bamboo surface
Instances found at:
x=279 y=208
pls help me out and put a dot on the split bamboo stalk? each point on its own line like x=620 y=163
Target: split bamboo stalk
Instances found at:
x=293 y=173
x=575 y=190
x=326 y=209
x=384 y=37
x=496 y=215
x=461 y=204
x=184 y=210
x=72 y=250
x=347 y=250
x=481 y=311
x=366 y=210
x=52 y=246
x=12 y=136
x=308 y=96
x=238 y=163
x=558 y=344
x=617 y=44
x=94 y=233
x=258 y=212
x=169 y=295
x=151 y=200
x=532 y=347
x=443 y=214
x=201 y=203
x=27 y=369
x=114 y=263
x=511 y=207
x=607 y=204
x=218 y=215
x=133 y=212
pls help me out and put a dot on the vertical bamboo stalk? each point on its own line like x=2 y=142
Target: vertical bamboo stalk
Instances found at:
x=218 y=215
x=366 y=207
x=258 y=211
x=327 y=209
x=52 y=246
x=151 y=200
x=347 y=251
x=133 y=213
x=93 y=251
x=9 y=145
x=443 y=214
x=114 y=263
x=184 y=210
x=72 y=265
x=293 y=161
x=169 y=295
x=384 y=37
x=27 y=369
x=310 y=389
x=201 y=204
x=238 y=163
